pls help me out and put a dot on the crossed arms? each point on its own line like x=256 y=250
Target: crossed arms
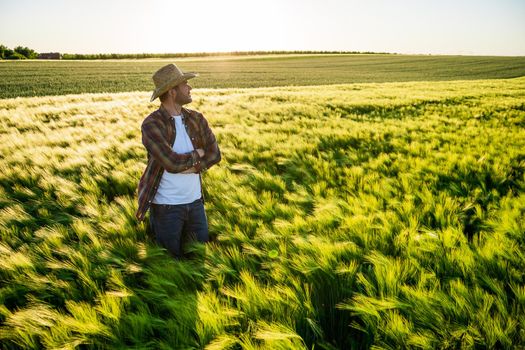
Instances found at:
x=196 y=161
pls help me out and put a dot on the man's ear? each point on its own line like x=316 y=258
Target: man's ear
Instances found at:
x=173 y=92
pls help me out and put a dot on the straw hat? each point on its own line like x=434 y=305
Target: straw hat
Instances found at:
x=167 y=77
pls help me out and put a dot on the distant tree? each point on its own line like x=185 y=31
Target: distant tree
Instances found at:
x=15 y=56
x=5 y=52
x=26 y=52
x=8 y=53
x=3 y=49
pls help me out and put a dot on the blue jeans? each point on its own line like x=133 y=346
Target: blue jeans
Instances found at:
x=175 y=224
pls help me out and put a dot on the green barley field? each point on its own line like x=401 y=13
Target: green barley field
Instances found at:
x=41 y=77
x=348 y=216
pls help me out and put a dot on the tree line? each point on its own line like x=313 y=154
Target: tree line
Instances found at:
x=102 y=56
x=21 y=52
x=18 y=53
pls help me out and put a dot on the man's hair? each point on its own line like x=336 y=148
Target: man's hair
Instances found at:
x=164 y=96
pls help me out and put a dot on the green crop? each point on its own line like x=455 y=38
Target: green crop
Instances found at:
x=344 y=216
x=38 y=78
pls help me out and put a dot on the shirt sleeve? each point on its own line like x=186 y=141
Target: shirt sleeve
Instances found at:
x=212 y=154
x=159 y=148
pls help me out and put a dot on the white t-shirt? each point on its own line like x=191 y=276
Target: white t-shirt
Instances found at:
x=179 y=188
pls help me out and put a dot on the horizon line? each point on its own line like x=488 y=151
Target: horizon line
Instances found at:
x=272 y=52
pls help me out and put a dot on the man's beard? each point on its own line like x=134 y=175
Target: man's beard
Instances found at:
x=182 y=100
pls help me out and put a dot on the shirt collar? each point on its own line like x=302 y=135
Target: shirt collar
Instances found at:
x=166 y=117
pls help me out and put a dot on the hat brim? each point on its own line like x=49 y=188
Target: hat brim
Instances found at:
x=172 y=83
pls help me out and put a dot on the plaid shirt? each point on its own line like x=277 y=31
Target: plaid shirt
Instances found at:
x=158 y=136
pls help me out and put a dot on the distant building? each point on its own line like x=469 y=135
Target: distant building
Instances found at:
x=49 y=56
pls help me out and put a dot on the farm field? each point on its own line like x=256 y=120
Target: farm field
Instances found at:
x=38 y=77
x=344 y=216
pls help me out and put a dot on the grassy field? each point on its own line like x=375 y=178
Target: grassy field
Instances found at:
x=345 y=216
x=38 y=78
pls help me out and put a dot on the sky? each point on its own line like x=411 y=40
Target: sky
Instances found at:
x=464 y=27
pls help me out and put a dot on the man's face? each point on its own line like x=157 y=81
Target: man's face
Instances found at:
x=182 y=93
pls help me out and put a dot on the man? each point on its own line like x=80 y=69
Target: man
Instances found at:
x=180 y=146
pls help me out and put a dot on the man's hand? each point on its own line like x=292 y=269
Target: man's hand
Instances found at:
x=191 y=170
